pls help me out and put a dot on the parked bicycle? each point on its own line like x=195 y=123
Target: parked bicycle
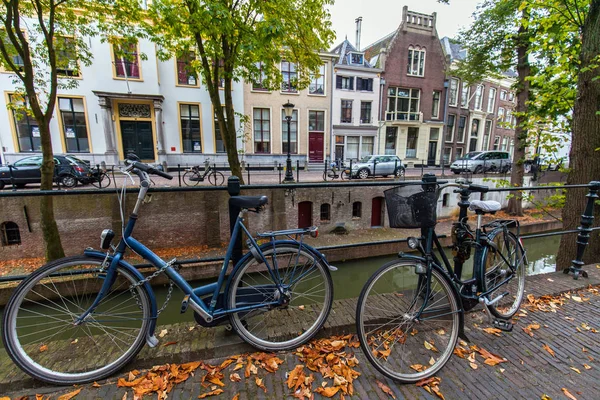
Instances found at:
x=194 y=175
x=410 y=313
x=336 y=172
x=99 y=178
x=82 y=318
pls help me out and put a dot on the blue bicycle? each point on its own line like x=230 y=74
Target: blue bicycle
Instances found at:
x=276 y=298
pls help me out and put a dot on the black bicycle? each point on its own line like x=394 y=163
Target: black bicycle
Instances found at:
x=410 y=312
x=336 y=172
x=195 y=175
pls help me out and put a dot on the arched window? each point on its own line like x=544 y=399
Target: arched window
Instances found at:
x=356 y=209
x=445 y=199
x=325 y=212
x=416 y=61
x=10 y=233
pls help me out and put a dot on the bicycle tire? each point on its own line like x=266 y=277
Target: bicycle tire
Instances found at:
x=327 y=177
x=345 y=176
x=103 y=181
x=265 y=328
x=383 y=295
x=496 y=271
x=191 y=178
x=62 y=357
x=216 y=178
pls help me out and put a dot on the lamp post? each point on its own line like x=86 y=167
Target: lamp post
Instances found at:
x=288 y=109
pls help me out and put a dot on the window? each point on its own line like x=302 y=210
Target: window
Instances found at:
x=316 y=121
x=356 y=209
x=496 y=142
x=365 y=112
x=260 y=83
x=491 y=100
x=220 y=74
x=262 y=130
x=416 y=61
x=508 y=117
x=126 y=60
x=356 y=58
x=290 y=77
x=185 y=75
x=511 y=96
x=346 y=117
x=459 y=152
x=453 y=92
x=503 y=95
x=505 y=143
x=464 y=95
x=74 y=127
x=479 y=97
x=339 y=147
x=28 y=131
x=500 y=114
x=293 y=133
x=66 y=56
x=450 y=127
x=445 y=199
x=14 y=57
x=391 y=134
x=219 y=145
x=411 y=142
x=317 y=82
x=366 y=147
x=474 y=135
x=434 y=134
x=189 y=118
x=447 y=155
x=511 y=148
x=435 y=104
x=462 y=123
x=10 y=234
x=366 y=85
x=486 y=136
x=344 y=82
x=352 y=146
x=325 y=212
x=403 y=104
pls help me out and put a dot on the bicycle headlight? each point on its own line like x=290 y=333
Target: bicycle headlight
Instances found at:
x=106 y=237
x=413 y=243
x=314 y=232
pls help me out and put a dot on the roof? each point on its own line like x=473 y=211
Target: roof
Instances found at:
x=453 y=49
x=343 y=51
x=372 y=50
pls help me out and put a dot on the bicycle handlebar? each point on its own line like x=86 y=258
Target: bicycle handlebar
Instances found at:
x=146 y=168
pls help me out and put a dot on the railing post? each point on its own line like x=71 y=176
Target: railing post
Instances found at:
x=585 y=229
x=421 y=167
x=279 y=169
x=247 y=172
x=395 y=168
x=233 y=188
x=374 y=167
x=350 y=174
x=12 y=178
x=179 y=173
x=297 y=171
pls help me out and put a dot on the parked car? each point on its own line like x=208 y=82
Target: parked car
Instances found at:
x=378 y=165
x=546 y=164
x=482 y=161
x=68 y=171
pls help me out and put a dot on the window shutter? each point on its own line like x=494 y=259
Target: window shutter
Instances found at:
x=360 y=84
x=370 y=84
x=338 y=82
x=352 y=83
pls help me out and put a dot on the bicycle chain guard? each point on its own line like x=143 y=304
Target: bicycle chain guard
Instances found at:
x=461 y=249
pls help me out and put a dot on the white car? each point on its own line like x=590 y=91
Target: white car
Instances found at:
x=378 y=165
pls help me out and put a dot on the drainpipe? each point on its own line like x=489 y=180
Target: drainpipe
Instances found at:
x=445 y=127
x=331 y=83
x=381 y=121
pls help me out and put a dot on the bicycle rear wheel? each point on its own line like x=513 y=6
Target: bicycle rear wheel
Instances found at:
x=39 y=330
x=103 y=181
x=216 y=178
x=505 y=270
x=344 y=175
x=394 y=341
x=302 y=308
x=191 y=178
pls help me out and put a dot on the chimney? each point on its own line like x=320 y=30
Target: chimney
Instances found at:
x=358 y=26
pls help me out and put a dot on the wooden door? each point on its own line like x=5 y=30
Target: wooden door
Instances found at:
x=137 y=139
x=377 y=212
x=304 y=214
x=315 y=147
x=432 y=153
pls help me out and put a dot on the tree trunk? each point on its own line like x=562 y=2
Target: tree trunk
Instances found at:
x=584 y=165
x=229 y=131
x=54 y=249
x=515 y=203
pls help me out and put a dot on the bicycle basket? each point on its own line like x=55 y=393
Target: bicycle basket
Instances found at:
x=411 y=206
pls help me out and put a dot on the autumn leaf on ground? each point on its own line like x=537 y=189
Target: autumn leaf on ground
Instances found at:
x=260 y=384
x=586 y=366
x=213 y=393
x=43 y=348
x=236 y=397
x=39 y=397
x=549 y=350
x=70 y=395
x=492 y=331
x=575 y=369
x=328 y=391
x=386 y=389
x=235 y=377
x=473 y=365
x=546 y=397
x=96 y=385
x=569 y=395
x=430 y=346
x=163 y=333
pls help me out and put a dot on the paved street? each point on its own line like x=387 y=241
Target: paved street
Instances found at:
x=569 y=365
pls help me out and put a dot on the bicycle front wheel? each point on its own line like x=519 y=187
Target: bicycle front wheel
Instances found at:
x=505 y=269
x=327 y=176
x=345 y=176
x=407 y=329
x=191 y=178
x=296 y=312
x=103 y=181
x=216 y=178
x=43 y=336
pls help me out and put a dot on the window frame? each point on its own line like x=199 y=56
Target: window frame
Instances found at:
x=315 y=78
x=479 y=94
x=453 y=102
x=183 y=151
x=464 y=131
x=14 y=126
x=395 y=112
x=342 y=108
x=370 y=108
x=436 y=115
x=491 y=100
x=464 y=96
x=421 y=60
x=177 y=63
x=262 y=133
x=61 y=126
x=253 y=84
x=5 y=240
x=292 y=89
x=327 y=212
x=140 y=78
x=453 y=129
x=215 y=127
x=78 y=65
x=284 y=131
x=357 y=210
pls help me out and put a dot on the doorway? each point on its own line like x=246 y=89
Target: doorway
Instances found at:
x=137 y=139
x=377 y=212
x=304 y=214
x=432 y=153
x=315 y=147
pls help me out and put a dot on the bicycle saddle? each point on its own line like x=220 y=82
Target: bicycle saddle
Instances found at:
x=248 y=201
x=490 y=206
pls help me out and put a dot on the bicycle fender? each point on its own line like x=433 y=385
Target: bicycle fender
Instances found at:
x=461 y=315
x=312 y=250
x=150 y=339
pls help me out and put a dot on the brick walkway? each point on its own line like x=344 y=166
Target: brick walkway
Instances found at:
x=529 y=373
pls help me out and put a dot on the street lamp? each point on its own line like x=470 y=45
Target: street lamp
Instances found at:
x=288 y=109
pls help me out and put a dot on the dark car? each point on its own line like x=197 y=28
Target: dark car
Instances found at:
x=68 y=171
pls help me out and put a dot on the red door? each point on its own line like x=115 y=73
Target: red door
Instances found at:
x=304 y=214
x=377 y=212
x=315 y=147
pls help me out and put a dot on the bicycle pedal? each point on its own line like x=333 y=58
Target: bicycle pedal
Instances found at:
x=185 y=303
x=503 y=325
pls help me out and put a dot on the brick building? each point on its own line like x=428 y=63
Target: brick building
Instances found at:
x=414 y=64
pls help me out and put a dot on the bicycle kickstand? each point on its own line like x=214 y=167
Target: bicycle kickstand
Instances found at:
x=502 y=324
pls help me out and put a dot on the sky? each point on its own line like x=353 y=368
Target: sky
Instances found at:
x=381 y=17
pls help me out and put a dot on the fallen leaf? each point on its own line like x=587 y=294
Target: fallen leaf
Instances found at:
x=493 y=331
x=431 y=361
x=473 y=365
x=96 y=385
x=301 y=308
x=549 y=350
x=550 y=280
x=163 y=333
x=501 y=370
x=430 y=346
x=546 y=397
x=328 y=391
x=576 y=370
x=386 y=389
x=260 y=384
x=169 y=344
x=74 y=341
x=213 y=393
x=43 y=348
x=191 y=328
x=577 y=299
x=236 y=397
x=69 y=395
x=569 y=395
x=235 y=377
x=38 y=397
x=238 y=366
x=216 y=381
